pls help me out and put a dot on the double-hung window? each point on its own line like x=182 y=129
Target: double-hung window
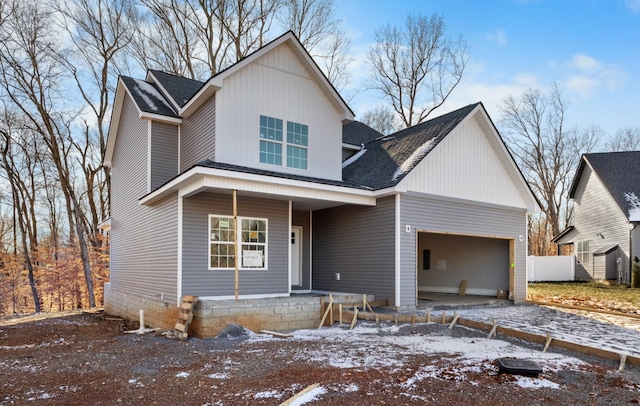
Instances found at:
x=273 y=143
x=252 y=243
x=582 y=252
x=297 y=144
x=270 y=140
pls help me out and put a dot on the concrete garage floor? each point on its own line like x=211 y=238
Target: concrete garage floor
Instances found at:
x=427 y=300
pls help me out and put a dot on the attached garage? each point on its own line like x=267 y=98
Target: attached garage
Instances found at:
x=445 y=260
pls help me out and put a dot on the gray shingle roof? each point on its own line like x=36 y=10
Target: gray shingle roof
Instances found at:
x=181 y=89
x=357 y=133
x=147 y=97
x=385 y=161
x=245 y=169
x=618 y=171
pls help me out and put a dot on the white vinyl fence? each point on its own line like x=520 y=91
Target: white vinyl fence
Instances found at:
x=552 y=268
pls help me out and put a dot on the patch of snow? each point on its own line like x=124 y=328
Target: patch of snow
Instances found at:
x=634 y=206
x=535 y=383
x=267 y=394
x=219 y=375
x=414 y=158
x=136 y=382
x=144 y=90
x=182 y=375
x=353 y=158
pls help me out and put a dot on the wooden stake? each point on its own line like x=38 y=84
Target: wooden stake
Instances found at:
x=276 y=334
x=493 y=329
x=355 y=318
x=454 y=321
x=443 y=317
x=396 y=319
x=326 y=312
x=429 y=316
x=340 y=309
x=413 y=319
x=377 y=320
x=623 y=361
x=364 y=303
x=547 y=343
x=299 y=394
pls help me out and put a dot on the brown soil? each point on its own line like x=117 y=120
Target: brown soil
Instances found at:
x=87 y=359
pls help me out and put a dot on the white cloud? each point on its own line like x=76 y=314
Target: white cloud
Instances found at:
x=633 y=5
x=499 y=37
x=585 y=75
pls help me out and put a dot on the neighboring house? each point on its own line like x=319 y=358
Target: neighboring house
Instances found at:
x=605 y=235
x=419 y=210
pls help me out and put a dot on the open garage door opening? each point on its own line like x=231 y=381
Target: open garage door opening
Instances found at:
x=445 y=260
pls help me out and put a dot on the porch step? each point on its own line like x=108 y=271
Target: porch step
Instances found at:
x=185 y=316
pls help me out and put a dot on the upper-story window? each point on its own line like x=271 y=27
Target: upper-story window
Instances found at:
x=272 y=143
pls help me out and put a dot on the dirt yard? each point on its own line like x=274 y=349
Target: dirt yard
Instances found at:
x=87 y=359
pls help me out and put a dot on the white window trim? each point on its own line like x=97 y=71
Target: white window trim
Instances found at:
x=238 y=230
x=581 y=254
x=284 y=144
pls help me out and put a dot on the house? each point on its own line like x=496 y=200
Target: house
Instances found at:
x=605 y=235
x=268 y=151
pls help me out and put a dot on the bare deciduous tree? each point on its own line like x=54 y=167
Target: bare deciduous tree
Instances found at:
x=382 y=119
x=99 y=31
x=321 y=33
x=625 y=139
x=416 y=67
x=32 y=78
x=547 y=152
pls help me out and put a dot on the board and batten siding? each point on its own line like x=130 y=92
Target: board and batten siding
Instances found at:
x=144 y=239
x=198 y=135
x=434 y=214
x=358 y=243
x=199 y=280
x=596 y=213
x=277 y=85
x=164 y=153
x=302 y=219
x=468 y=164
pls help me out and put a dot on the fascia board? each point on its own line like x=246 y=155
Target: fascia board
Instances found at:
x=195 y=180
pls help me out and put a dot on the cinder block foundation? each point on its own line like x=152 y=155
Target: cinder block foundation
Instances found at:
x=211 y=316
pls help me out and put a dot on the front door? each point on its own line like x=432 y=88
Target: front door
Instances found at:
x=296 y=256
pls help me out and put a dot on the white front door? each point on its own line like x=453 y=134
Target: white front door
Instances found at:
x=296 y=256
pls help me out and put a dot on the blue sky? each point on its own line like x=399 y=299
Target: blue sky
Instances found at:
x=591 y=48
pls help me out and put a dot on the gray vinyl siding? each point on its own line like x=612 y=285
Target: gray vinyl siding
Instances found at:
x=427 y=213
x=164 y=153
x=301 y=219
x=143 y=239
x=197 y=136
x=199 y=280
x=597 y=213
x=359 y=243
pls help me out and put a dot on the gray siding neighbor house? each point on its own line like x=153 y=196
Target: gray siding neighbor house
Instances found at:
x=605 y=235
x=267 y=155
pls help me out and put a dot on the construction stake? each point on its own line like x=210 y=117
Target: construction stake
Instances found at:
x=444 y=317
x=340 y=309
x=623 y=361
x=454 y=321
x=429 y=316
x=493 y=329
x=326 y=312
x=547 y=343
x=355 y=318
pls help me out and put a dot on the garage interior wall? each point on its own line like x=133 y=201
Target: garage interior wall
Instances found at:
x=482 y=262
